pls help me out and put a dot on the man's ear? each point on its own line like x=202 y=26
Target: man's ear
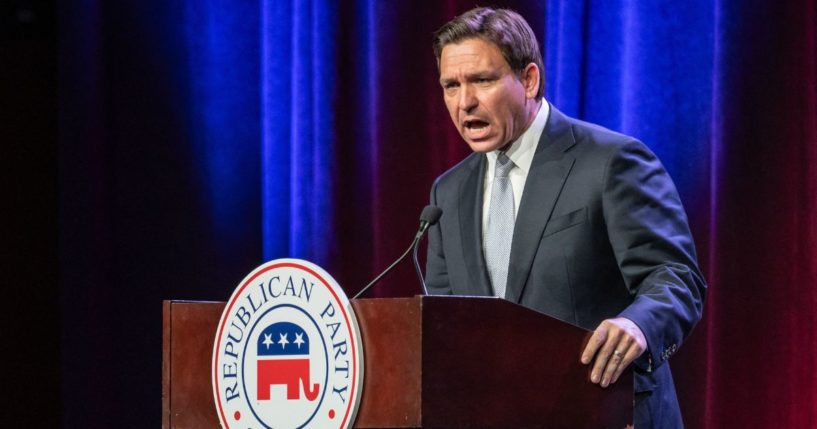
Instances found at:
x=530 y=80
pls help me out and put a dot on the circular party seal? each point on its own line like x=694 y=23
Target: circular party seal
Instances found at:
x=287 y=352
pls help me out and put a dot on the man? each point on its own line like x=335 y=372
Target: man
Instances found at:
x=565 y=217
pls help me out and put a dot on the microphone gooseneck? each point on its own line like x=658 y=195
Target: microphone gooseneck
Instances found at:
x=429 y=216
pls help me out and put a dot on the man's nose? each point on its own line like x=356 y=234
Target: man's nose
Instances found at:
x=468 y=99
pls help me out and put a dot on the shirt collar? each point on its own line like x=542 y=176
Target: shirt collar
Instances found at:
x=522 y=150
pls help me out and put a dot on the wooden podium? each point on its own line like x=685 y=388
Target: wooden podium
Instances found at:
x=430 y=362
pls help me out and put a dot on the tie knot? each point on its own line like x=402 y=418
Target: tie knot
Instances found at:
x=503 y=165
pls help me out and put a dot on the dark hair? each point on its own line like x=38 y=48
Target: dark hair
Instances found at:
x=504 y=28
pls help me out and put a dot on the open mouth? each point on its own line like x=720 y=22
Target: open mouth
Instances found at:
x=476 y=124
x=476 y=128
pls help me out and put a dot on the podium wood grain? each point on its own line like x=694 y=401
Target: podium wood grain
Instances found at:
x=187 y=390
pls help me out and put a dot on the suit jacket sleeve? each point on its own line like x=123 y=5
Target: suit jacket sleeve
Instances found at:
x=650 y=237
x=436 y=271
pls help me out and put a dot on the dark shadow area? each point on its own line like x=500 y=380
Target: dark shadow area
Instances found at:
x=28 y=129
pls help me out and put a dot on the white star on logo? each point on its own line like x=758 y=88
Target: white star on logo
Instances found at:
x=268 y=340
x=283 y=341
x=299 y=339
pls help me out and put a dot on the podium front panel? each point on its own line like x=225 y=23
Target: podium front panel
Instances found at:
x=187 y=389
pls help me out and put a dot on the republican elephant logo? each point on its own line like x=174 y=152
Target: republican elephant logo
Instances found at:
x=283 y=359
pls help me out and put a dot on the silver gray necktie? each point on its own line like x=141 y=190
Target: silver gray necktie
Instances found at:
x=499 y=232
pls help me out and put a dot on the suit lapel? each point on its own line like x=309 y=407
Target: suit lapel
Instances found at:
x=470 y=214
x=549 y=169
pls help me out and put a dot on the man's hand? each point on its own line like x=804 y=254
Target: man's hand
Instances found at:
x=615 y=344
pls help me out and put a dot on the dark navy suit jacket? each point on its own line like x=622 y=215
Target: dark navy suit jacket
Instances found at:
x=600 y=233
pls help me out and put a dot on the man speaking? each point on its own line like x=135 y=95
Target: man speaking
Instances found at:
x=561 y=216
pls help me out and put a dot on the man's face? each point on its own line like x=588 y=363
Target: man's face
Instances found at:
x=489 y=104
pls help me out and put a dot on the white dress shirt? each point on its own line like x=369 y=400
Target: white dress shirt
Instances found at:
x=521 y=153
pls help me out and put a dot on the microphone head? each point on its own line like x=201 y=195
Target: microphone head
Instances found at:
x=431 y=214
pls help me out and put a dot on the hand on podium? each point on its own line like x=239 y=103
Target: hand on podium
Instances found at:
x=613 y=346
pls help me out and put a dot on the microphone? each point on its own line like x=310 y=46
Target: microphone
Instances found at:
x=429 y=216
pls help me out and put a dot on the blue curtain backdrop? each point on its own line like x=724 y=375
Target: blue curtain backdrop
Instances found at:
x=200 y=138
